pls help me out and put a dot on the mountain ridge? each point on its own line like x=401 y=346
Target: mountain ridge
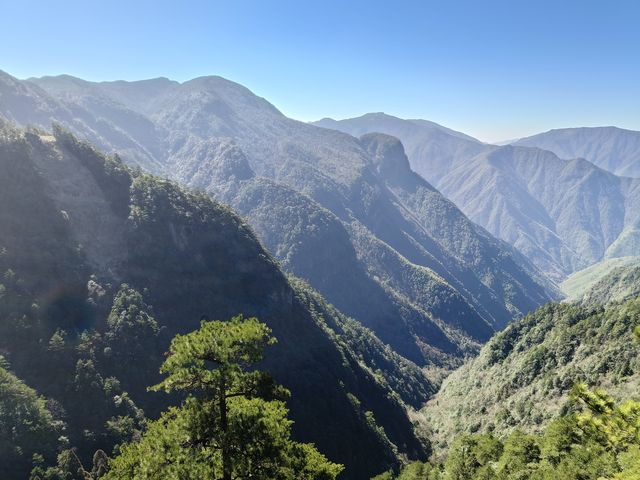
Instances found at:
x=496 y=187
x=215 y=135
x=612 y=148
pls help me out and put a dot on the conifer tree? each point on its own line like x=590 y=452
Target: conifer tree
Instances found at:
x=233 y=423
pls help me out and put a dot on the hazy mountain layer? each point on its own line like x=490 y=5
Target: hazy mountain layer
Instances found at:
x=563 y=215
x=433 y=150
x=610 y=148
x=77 y=225
x=403 y=261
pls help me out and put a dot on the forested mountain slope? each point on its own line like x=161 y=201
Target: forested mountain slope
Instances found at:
x=620 y=284
x=101 y=266
x=26 y=425
x=523 y=375
x=316 y=199
x=563 y=215
x=581 y=282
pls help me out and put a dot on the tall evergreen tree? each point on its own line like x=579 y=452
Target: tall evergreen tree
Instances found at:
x=233 y=422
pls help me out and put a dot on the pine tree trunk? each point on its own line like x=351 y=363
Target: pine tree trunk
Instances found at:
x=224 y=423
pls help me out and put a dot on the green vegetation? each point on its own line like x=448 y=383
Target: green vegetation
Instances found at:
x=533 y=415
x=232 y=423
x=523 y=376
x=27 y=427
x=581 y=283
x=598 y=440
x=404 y=378
x=91 y=294
x=359 y=274
x=618 y=285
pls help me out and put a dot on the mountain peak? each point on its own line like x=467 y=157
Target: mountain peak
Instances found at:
x=378 y=115
x=213 y=80
x=157 y=81
x=610 y=128
x=7 y=78
x=229 y=91
x=387 y=153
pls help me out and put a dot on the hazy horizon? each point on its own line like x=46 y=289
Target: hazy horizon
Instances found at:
x=496 y=141
x=494 y=70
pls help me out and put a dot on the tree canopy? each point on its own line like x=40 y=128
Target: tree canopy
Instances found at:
x=233 y=422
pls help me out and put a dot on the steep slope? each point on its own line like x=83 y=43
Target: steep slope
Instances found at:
x=392 y=271
x=314 y=244
x=579 y=283
x=87 y=112
x=471 y=245
x=523 y=376
x=330 y=168
x=79 y=224
x=27 y=427
x=563 y=215
x=610 y=148
x=620 y=284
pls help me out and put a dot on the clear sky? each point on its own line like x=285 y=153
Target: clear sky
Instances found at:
x=494 y=69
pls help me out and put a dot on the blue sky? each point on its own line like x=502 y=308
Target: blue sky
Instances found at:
x=494 y=69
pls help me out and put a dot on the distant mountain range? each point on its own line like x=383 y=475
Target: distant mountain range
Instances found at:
x=347 y=215
x=433 y=150
x=610 y=148
x=563 y=215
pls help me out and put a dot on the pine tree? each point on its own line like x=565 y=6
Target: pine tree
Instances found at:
x=233 y=423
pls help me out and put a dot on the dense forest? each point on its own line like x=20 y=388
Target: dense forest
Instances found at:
x=600 y=439
x=523 y=377
x=594 y=436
